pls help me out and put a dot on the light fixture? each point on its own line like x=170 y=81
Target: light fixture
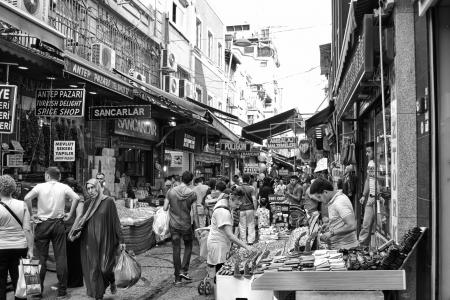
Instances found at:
x=22 y=67
x=242 y=43
x=165 y=169
x=50 y=78
x=93 y=93
x=73 y=86
x=172 y=123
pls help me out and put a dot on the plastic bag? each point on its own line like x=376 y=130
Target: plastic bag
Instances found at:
x=202 y=237
x=127 y=271
x=161 y=223
x=29 y=282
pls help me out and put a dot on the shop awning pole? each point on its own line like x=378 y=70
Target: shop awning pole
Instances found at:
x=382 y=94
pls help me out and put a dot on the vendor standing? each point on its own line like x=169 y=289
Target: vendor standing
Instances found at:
x=294 y=191
x=341 y=232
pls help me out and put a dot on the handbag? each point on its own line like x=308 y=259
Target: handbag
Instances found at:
x=28 y=283
x=12 y=213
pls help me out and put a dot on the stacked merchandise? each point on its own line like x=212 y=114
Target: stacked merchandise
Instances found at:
x=307 y=262
x=106 y=164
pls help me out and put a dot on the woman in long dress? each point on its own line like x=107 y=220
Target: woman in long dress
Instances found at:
x=100 y=240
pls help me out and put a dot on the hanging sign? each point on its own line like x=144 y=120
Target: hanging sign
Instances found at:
x=64 y=150
x=305 y=149
x=174 y=158
x=14 y=160
x=143 y=129
x=249 y=153
x=189 y=141
x=237 y=147
x=8 y=95
x=282 y=143
x=276 y=198
x=120 y=112
x=251 y=169
x=60 y=102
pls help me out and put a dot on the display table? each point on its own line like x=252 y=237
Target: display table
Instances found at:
x=231 y=288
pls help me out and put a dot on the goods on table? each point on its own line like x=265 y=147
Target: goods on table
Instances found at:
x=136 y=216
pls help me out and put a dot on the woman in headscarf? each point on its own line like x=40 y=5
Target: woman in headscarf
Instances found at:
x=101 y=238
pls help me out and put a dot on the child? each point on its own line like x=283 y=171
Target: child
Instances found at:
x=263 y=214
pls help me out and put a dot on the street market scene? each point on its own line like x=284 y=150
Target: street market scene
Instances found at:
x=228 y=150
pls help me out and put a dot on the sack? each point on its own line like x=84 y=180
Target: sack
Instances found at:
x=127 y=271
x=203 y=241
x=161 y=223
x=29 y=282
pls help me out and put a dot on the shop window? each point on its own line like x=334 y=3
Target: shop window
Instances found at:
x=264 y=52
x=174 y=12
x=219 y=54
x=249 y=50
x=210 y=44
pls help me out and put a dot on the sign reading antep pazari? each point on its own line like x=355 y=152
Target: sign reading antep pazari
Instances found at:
x=120 y=112
x=282 y=143
x=8 y=95
x=60 y=102
x=64 y=150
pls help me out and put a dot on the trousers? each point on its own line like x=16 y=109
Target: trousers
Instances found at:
x=181 y=267
x=247 y=225
x=9 y=262
x=52 y=230
x=367 y=226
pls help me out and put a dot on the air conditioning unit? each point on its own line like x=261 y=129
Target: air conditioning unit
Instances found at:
x=171 y=84
x=37 y=8
x=138 y=76
x=169 y=62
x=186 y=89
x=104 y=56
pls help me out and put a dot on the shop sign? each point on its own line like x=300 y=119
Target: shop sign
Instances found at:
x=189 y=141
x=282 y=143
x=208 y=158
x=394 y=171
x=96 y=77
x=305 y=148
x=283 y=172
x=276 y=198
x=60 y=102
x=146 y=129
x=14 y=160
x=120 y=112
x=361 y=66
x=64 y=150
x=249 y=153
x=174 y=158
x=8 y=95
x=235 y=146
x=251 y=169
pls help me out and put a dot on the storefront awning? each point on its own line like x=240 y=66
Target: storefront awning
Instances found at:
x=319 y=118
x=273 y=126
x=24 y=21
x=223 y=130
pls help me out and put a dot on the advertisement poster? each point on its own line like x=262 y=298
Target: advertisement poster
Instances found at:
x=8 y=94
x=64 y=150
x=174 y=158
x=60 y=102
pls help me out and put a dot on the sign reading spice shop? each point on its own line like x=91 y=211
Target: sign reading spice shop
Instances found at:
x=120 y=112
x=8 y=95
x=146 y=129
x=60 y=102
x=83 y=70
x=282 y=143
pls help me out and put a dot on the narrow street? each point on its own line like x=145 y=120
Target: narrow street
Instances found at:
x=156 y=281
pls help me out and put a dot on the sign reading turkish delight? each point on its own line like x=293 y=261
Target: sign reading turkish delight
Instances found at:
x=64 y=150
x=60 y=102
x=8 y=95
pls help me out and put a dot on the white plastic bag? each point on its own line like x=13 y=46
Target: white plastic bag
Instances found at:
x=161 y=223
x=28 y=283
x=21 y=289
x=127 y=271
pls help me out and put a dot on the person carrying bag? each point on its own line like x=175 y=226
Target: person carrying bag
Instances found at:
x=16 y=240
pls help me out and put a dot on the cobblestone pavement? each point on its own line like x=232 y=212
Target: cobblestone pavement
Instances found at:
x=156 y=282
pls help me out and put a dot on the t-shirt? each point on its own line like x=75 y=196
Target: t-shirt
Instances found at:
x=338 y=208
x=200 y=190
x=12 y=235
x=52 y=199
x=263 y=215
x=297 y=190
x=371 y=173
x=181 y=199
x=247 y=200
x=310 y=204
x=218 y=242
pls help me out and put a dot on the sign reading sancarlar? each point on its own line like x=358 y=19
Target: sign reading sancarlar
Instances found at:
x=282 y=143
x=120 y=112
x=60 y=102
x=64 y=150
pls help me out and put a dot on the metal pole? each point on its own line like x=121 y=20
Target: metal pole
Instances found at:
x=382 y=96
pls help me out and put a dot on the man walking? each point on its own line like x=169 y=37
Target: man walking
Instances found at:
x=180 y=199
x=369 y=193
x=247 y=211
x=51 y=197
x=294 y=191
x=201 y=190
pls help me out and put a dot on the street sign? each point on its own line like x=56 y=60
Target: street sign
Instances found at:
x=64 y=150
x=8 y=95
x=60 y=102
x=282 y=143
x=120 y=112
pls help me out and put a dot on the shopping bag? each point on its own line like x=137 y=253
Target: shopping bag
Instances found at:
x=127 y=271
x=29 y=283
x=161 y=223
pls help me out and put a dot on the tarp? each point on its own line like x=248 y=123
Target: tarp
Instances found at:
x=320 y=117
x=273 y=126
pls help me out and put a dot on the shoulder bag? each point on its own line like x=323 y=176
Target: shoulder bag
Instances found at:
x=12 y=213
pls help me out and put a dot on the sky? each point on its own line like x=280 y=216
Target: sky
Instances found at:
x=298 y=27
